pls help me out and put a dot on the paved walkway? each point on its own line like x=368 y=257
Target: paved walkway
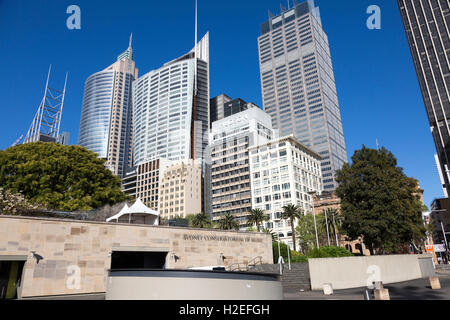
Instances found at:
x=411 y=290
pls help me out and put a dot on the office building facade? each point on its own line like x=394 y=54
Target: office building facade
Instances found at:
x=217 y=104
x=171 y=121
x=171 y=109
x=283 y=171
x=106 y=116
x=298 y=86
x=223 y=106
x=427 y=26
x=228 y=162
x=180 y=191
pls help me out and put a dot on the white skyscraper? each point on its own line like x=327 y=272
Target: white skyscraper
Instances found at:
x=171 y=109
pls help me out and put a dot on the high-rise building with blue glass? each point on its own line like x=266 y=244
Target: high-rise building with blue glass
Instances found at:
x=298 y=86
x=106 y=116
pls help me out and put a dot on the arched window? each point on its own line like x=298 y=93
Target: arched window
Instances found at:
x=359 y=248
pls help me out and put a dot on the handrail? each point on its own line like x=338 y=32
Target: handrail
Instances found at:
x=245 y=266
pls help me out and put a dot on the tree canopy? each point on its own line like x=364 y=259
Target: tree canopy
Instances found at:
x=257 y=217
x=201 y=220
x=228 y=222
x=379 y=202
x=68 y=178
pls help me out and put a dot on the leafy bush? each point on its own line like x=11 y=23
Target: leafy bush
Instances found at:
x=329 y=252
x=283 y=249
x=296 y=257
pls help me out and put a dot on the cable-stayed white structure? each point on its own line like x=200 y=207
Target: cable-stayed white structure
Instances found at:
x=47 y=121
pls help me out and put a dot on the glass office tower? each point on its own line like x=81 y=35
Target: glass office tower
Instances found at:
x=427 y=26
x=106 y=116
x=171 y=109
x=298 y=87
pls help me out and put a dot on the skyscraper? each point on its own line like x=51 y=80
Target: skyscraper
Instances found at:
x=106 y=116
x=298 y=87
x=223 y=106
x=216 y=107
x=171 y=109
x=427 y=26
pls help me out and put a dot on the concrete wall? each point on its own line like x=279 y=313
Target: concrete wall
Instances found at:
x=354 y=272
x=67 y=245
x=175 y=285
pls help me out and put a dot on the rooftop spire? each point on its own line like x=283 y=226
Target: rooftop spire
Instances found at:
x=128 y=54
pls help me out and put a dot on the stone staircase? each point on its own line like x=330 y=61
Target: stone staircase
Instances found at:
x=293 y=280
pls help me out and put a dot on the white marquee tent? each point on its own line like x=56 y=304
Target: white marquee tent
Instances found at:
x=138 y=213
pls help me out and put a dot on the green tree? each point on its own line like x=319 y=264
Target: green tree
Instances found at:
x=201 y=221
x=257 y=216
x=292 y=212
x=306 y=232
x=271 y=232
x=379 y=202
x=68 y=178
x=228 y=222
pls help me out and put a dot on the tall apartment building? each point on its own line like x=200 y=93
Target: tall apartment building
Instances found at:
x=228 y=162
x=427 y=26
x=180 y=192
x=106 y=116
x=171 y=108
x=283 y=171
x=298 y=86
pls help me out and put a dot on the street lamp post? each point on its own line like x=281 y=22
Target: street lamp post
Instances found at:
x=313 y=194
x=335 y=230
x=445 y=237
x=326 y=223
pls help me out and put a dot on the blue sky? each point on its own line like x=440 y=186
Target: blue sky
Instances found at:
x=377 y=86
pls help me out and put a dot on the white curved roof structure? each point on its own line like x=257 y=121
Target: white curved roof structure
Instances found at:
x=121 y=213
x=140 y=207
x=138 y=213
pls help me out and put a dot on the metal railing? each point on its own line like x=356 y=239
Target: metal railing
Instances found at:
x=245 y=266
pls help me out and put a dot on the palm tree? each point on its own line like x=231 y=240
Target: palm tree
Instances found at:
x=292 y=212
x=272 y=233
x=257 y=216
x=201 y=221
x=228 y=222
